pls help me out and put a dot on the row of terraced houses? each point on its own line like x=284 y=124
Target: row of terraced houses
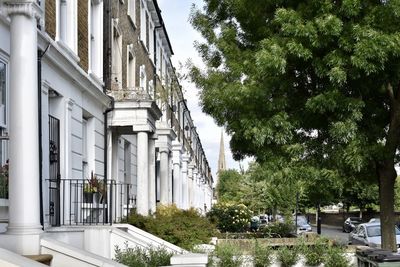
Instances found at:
x=93 y=126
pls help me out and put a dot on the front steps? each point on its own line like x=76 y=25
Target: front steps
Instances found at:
x=43 y=258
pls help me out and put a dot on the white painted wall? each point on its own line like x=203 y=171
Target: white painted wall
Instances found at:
x=84 y=242
x=11 y=259
x=65 y=255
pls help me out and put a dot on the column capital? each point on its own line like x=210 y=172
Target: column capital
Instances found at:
x=176 y=152
x=70 y=103
x=153 y=136
x=191 y=165
x=176 y=146
x=185 y=157
x=164 y=150
x=27 y=8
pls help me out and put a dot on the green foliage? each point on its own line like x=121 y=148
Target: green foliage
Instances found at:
x=288 y=256
x=262 y=255
x=335 y=257
x=140 y=257
x=184 y=228
x=228 y=256
x=309 y=88
x=314 y=254
x=279 y=229
x=230 y=217
x=273 y=188
x=229 y=187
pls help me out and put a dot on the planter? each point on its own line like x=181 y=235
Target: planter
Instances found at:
x=97 y=198
x=87 y=197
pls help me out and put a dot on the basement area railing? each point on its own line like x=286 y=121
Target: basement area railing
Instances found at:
x=82 y=202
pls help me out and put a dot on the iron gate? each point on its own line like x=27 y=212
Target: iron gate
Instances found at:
x=54 y=175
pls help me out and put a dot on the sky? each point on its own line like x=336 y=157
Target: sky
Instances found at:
x=175 y=14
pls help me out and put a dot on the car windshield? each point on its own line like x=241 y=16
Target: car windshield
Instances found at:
x=376 y=230
x=301 y=221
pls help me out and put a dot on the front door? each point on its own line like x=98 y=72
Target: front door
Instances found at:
x=55 y=177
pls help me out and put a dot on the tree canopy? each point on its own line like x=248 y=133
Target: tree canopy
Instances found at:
x=311 y=86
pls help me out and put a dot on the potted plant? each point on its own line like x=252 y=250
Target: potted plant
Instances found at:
x=90 y=187
x=94 y=190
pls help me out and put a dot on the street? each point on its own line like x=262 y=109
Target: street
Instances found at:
x=333 y=232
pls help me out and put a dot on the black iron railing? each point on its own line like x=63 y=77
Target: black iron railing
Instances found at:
x=78 y=202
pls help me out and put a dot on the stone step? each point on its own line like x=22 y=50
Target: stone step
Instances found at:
x=43 y=258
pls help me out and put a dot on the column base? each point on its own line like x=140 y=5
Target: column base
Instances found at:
x=23 y=244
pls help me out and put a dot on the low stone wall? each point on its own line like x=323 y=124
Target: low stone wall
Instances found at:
x=247 y=245
x=337 y=219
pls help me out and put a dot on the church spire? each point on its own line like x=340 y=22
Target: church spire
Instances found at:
x=221 y=159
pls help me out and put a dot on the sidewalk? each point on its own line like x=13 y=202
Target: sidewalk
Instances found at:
x=333 y=227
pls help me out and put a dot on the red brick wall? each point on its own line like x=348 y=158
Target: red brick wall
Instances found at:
x=83 y=45
x=50 y=17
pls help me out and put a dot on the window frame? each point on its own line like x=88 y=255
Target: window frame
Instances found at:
x=132 y=12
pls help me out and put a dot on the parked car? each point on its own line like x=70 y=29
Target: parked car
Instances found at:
x=374 y=220
x=263 y=218
x=369 y=234
x=350 y=224
x=302 y=225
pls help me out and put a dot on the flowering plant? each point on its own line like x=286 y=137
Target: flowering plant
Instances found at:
x=230 y=217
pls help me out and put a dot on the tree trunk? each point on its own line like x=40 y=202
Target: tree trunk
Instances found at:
x=387 y=173
x=387 y=177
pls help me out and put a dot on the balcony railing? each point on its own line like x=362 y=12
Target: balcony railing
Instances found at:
x=75 y=202
x=131 y=93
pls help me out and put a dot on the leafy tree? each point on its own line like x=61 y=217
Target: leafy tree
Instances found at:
x=230 y=186
x=359 y=193
x=307 y=84
x=274 y=189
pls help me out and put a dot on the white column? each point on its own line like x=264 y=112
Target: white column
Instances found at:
x=24 y=211
x=185 y=202
x=194 y=189
x=177 y=188
x=170 y=168
x=190 y=185
x=142 y=198
x=177 y=184
x=203 y=197
x=152 y=175
x=66 y=163
x=164 y=192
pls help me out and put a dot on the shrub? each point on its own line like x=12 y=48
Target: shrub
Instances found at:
x=288 y=256
x=230 y=217
x=314 y=255
x=262 y=255
x=279 y=229
x=228 y=256
x=184 y=228
x=335 y=257
x=139 y=257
